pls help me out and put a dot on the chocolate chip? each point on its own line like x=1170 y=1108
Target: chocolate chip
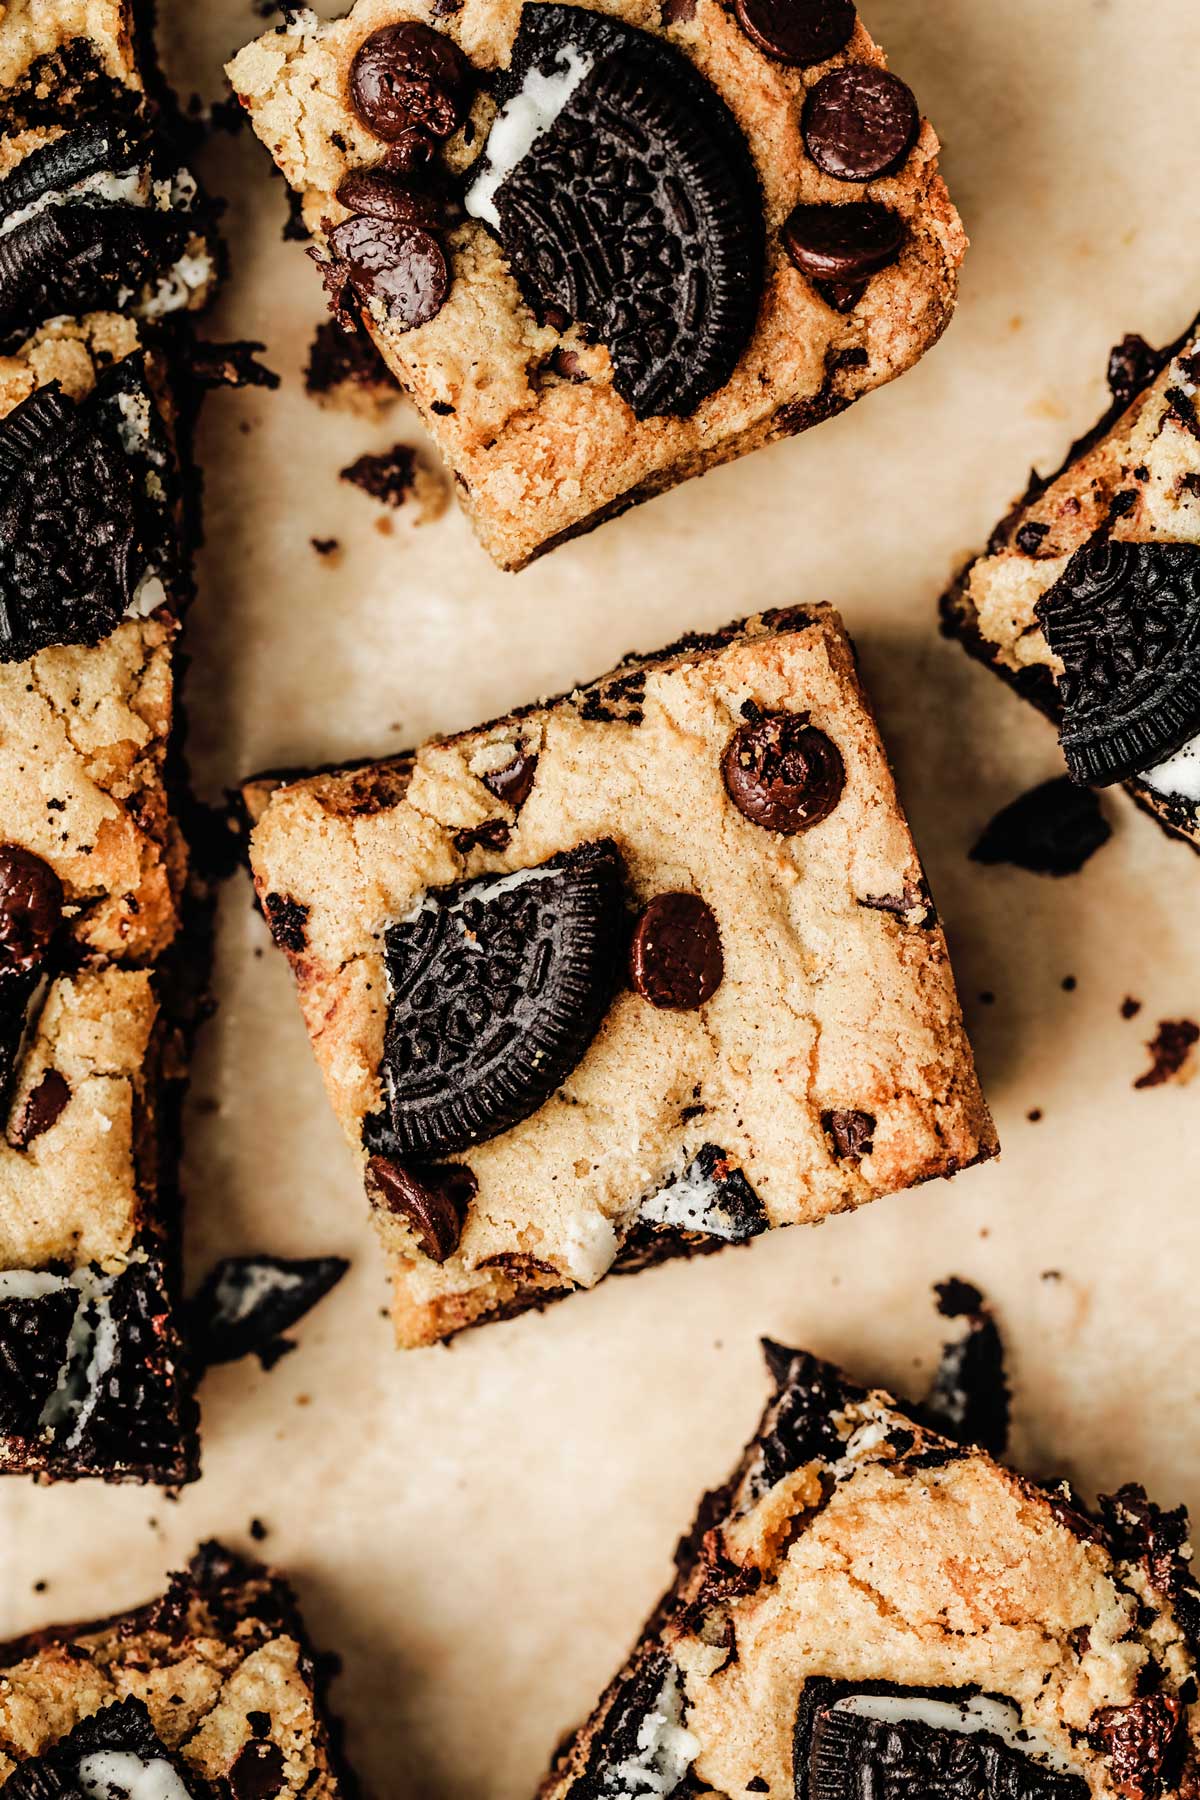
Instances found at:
x=408 y=75
x=1144 y=1743
x=404 y=270
x=844 y=243
x=782 y=773
x=31 y=901
x=851 y=1134
x=257 y=1772
x=843 y=296
x=379 y=195
x=860 y=122
x=675 y=959
x=410 y=153
x=798 y=32
x=434 y=1201
x=41 y=1110
x=514 y=782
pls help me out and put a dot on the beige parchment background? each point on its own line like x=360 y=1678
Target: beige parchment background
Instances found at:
x=479 y=1531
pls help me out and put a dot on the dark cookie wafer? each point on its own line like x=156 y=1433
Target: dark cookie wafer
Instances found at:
x=637 y=212
x=119 y=1736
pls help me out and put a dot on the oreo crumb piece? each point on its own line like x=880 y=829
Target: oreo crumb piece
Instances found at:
x=325 y=546
x=1130 y=1008
x=968 y=1399
x=1031 y=537
x=246 y=1303
x=1034 y=1115
x=1144 y=1744
x=229 y=365
x=431 y=1198
x=350 y=360
x=1069 y=984
x=493 y=834
x=43 y=1106
x=838 y=1754
x=914 y=907
x=1184 y=409
x=1132 y=366
x=851 y=1134
x=259 y=1722
x=1170 y=1051
x=649 y=1691
x=387 y=476
x=799 y=1426
x=1140 y=1531
x=672 y=294
x=123 y=1726
x=287 y=921
x=258 y=1771
x=1054 y=829
x=1125 y=620
x=497 y=987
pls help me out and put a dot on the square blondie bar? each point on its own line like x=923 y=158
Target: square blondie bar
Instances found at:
x=213 y=1688
x=1087 y=599
x=606 y=250
x=632 y=974
x=868 y=1608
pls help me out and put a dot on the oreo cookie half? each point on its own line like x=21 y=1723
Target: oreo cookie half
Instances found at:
x=633 y=208
x=1125 y=621
x=870 y=1740
x=86 y=492
x=497 y=988
x=113 y=1754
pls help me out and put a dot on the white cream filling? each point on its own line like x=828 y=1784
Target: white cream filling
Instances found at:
x=1178 y=777
x=666 y=1749
x=121 y=1775
x=999 y=1718
x=175 y=290
x=131 y=189
x=519 y=122
x=691 y=1202
x=589 y=1248
x=238 y=1295
x=89 y=1351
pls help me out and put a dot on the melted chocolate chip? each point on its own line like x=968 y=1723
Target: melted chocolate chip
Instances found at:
x=410 y=153
x=31 y=901
x=514 y=782
x=42 y=1108
x=1144 y=1744
x=851 y=1134
x=404 y=270
x=405 y=76
x=843 y=296
x=379 y=195
x=860 y=122
x=844 y=243
x=257 y=1773
x=493 y=834
x=782 y=773
x=433 y=1201
x=798 y=32
x=675 y=959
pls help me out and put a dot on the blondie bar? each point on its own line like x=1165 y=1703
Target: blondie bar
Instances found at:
x=868 y=1608
x=212 y=1688
x=607 y=249
x=1087 y=599
x=636 y=973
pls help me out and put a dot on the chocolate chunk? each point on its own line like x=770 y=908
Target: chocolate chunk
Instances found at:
x=43 y=1106
x=497 y=987
x=843 y=243
x=839 y=1754
x=860 y=122
x=258 y=1772
x=675 y=959
x=677 y=12
x=246 y=1303
x=851 y=1134
x=122 y=1727
x=913 y=907
x=403 y=270
x=405 y=76
x=514 y=782
x=782 y=773
x=1051 y=830
x=382 y=196
x=70 y=550
x=287 y=921
x=797 y=32
x=637 y=212
x=386 y=476
x=432 y=1197
x=1125 y=620
x=1170 y=1051
x=1144 y=1743
x=31 y=902
x=968 y=1399
x=493 y=834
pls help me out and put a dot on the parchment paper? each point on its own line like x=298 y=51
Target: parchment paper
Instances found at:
x=480 y=1531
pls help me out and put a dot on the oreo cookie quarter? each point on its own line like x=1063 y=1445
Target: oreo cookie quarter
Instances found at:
x=636 y=211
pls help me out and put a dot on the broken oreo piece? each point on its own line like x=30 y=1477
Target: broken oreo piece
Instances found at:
x=636 y=211
x=968 y=1399
x=1052 y=830
x=47 y=174
x=114 y=1753
x=1125 y=621
x=711 y=1196
x=859 y=1738
x=246 y=1304
x=497 y=987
